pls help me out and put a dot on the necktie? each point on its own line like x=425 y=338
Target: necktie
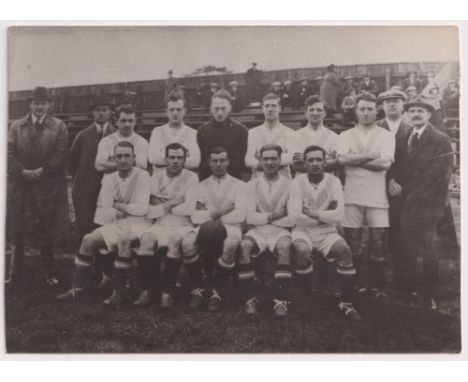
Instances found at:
x=413 y=141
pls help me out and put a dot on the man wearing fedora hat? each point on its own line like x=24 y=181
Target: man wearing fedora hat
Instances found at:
x=393 y=103
x=38 y=207
x=423 y=172
x=368 y=85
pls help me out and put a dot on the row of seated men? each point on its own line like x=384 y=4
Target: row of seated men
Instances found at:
x=289 y=217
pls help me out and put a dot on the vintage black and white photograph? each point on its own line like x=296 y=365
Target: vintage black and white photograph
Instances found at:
x=233 y=189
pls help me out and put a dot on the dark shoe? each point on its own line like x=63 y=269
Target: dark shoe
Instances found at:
x=251 y=307
x=280 y=308
x=70 y=294
x=144 y=299
x=215 y=302
x=104 y=283
x=196 y=300
x=349 y=311
x=114 y=299
x=167 y=302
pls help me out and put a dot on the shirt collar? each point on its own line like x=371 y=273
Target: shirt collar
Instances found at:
x=35 y=119
x=419 y=132
x=220 y=180
x=318 y=130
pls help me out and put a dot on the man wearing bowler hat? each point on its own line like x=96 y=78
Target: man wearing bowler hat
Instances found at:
x=424 y=173
x=38 y=207
x=393 y=103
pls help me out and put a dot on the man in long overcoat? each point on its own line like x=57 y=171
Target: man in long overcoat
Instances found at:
x=393 y=105
x=38 y=207
x=425 y=171
x=86 y=180
x=329 y=90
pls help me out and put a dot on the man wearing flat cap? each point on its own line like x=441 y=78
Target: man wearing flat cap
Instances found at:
x=38 y=207
x=424 y=173
x=393 y=106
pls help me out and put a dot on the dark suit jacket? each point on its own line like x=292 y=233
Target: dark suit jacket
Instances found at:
x=86 y=180
x=400 y=147
x=424 y=174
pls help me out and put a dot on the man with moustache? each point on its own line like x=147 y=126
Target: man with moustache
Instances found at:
x=37 y=194
x=393 y=106
x=367 y=152
x=222 y=131
x=424 y=175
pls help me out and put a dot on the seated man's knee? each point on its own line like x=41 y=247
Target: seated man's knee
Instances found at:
x=302 y=254
x=189 y=243
x=283 y=250
x=342 y=253
x=148 y=242
x=90 y=243
x=247 y=246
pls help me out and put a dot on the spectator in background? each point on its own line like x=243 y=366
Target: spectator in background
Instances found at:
x=430 y=79
x=315 y=86
x=222 y=131
x=348 y=105
x=411 y=92
x=130 y=100
x=412 y=81
x=368 y=85
x=438 y=115
x=253 y=81
x=236 y=96
x=287 y=95
x=214 y=87
x=349 y=85
x=301 y=93
x=275 y=88
x=329 y=90
x=451 y=95
x=200 y=94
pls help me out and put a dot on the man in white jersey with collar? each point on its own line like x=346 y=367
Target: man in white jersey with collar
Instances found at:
x=105 y=162
x=174 y=131
x=171 y=214
x=218 y=206
x=266 y=212
x=272 y=131
x=315 y=206
x=125 y=196
x=367 y=152
x=316 y=134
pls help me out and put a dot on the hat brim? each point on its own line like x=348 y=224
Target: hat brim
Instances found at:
x=40 y=99
x=426 y=106
x=94 y=106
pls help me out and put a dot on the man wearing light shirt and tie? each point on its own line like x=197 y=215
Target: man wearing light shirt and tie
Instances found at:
x=176 y=131
x=272 y=131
